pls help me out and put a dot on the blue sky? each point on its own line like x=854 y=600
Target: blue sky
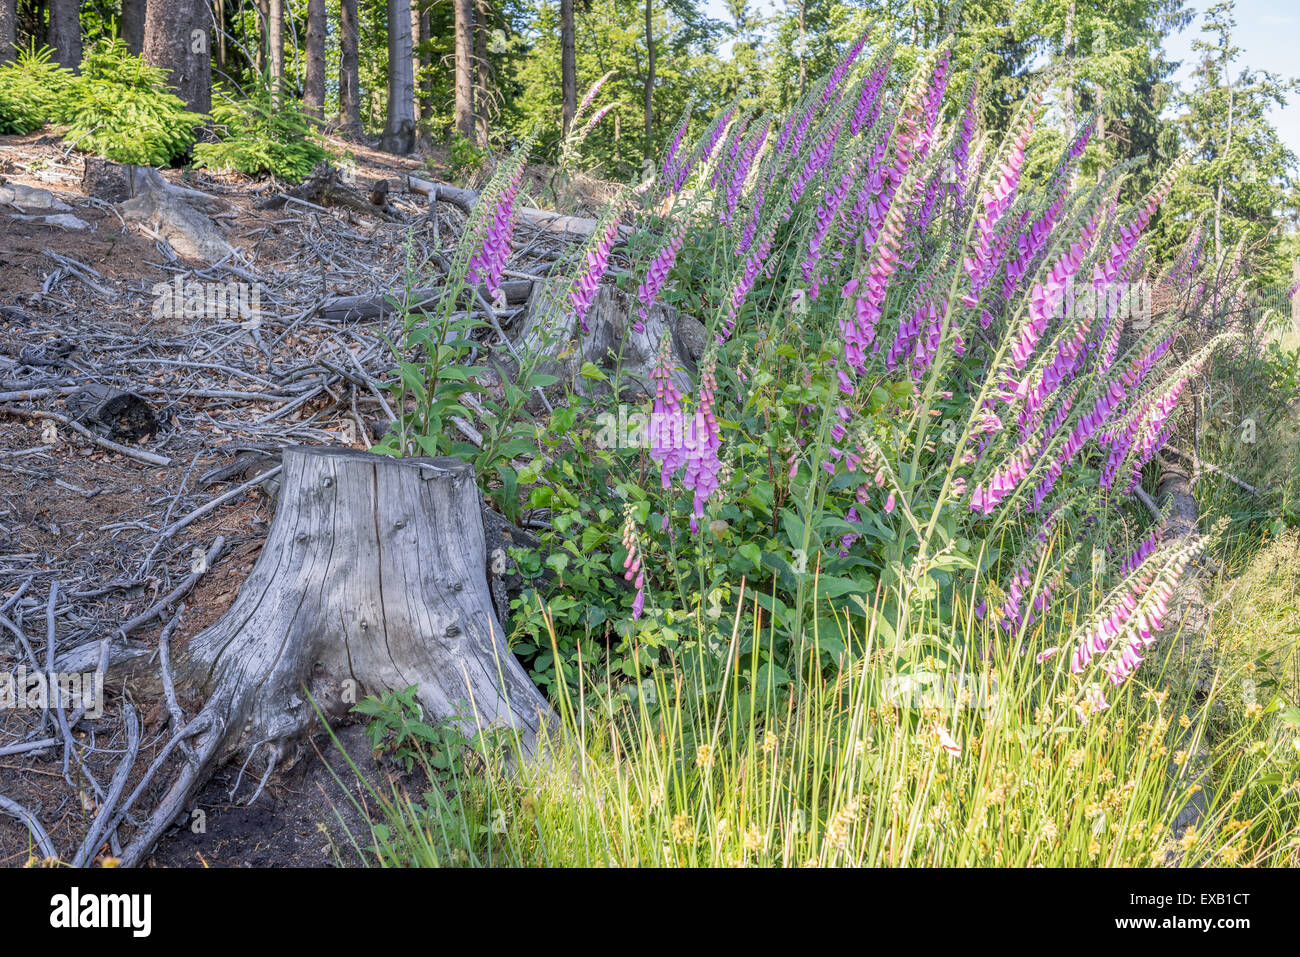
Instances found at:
x=1268 y=33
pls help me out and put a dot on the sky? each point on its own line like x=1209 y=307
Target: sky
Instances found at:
x=1268 y=33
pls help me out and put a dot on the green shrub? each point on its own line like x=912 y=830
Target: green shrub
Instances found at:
x=120 y=109
x=30 y=89
x=260 y=137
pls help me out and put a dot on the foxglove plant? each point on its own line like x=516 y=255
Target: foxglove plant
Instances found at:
x=657 y=274
x=592 y=265
x=493 y=227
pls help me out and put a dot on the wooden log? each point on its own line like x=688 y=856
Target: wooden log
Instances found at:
x=466 y=199
x=341 y=308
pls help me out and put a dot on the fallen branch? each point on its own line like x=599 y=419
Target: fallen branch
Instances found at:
x=420 y=300
x=39 y=835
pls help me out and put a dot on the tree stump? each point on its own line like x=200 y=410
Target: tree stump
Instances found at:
x=550 y=330
x=373 y=577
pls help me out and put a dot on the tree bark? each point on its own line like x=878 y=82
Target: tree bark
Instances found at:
x=482 y=99
x=803 y=46
x=349 y=78
x=1068 y=44
x=649 y=80
x=64 y=36
x=374 y=577
x=133 y=25
x=8 y=29
x=399 y=131
x=275 y=45
x=464 y=80
x=610 y=339
x=568 y=65
x=313 y=87
x=176 y=39
x=419 y=36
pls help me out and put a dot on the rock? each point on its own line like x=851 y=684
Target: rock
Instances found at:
x=61 y=220
x=29 y=197
x=690 y=331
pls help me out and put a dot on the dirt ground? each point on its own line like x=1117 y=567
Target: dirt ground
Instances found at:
x=78 y=307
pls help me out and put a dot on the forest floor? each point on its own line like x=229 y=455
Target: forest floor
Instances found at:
x=117 y=534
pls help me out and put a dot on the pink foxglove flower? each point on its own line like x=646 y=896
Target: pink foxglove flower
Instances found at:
x=702 y=445
x=657 y=274
x=595 y=260
x=632 y=565
x=667 y=432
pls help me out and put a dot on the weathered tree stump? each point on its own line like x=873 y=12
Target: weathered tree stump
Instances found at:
x=373 y=577
x=611 y=339
x=325 y=187
x=173 y=213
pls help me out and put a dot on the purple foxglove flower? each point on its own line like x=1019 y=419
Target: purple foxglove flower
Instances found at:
x=667 y=424
x=595 y=261
x=832 y=89
x=682 y=171
x=826 y=216
x=740 y=174
x=820 y=155
x=702 y=445
x=980 y=264
x=675 y=144
x=657 y=274
x=867 y=108
x=593 y=93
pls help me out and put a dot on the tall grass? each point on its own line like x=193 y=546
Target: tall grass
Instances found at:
x=857 y=770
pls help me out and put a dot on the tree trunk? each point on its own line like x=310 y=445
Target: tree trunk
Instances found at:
x=568 y=65
x=133 y=25
x=464 y=71
x=374 y=577
x=275 y=45
x=349 y=79
x=1068 y=99
x=803 y=47
x=419 y=36
x=219 y=17
x=64 y=37
x=259 y=51
x=313 y=86
x=8 y=29
x=399 y=131
x=649 y=80
x=482 y=99
x=176 y=39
